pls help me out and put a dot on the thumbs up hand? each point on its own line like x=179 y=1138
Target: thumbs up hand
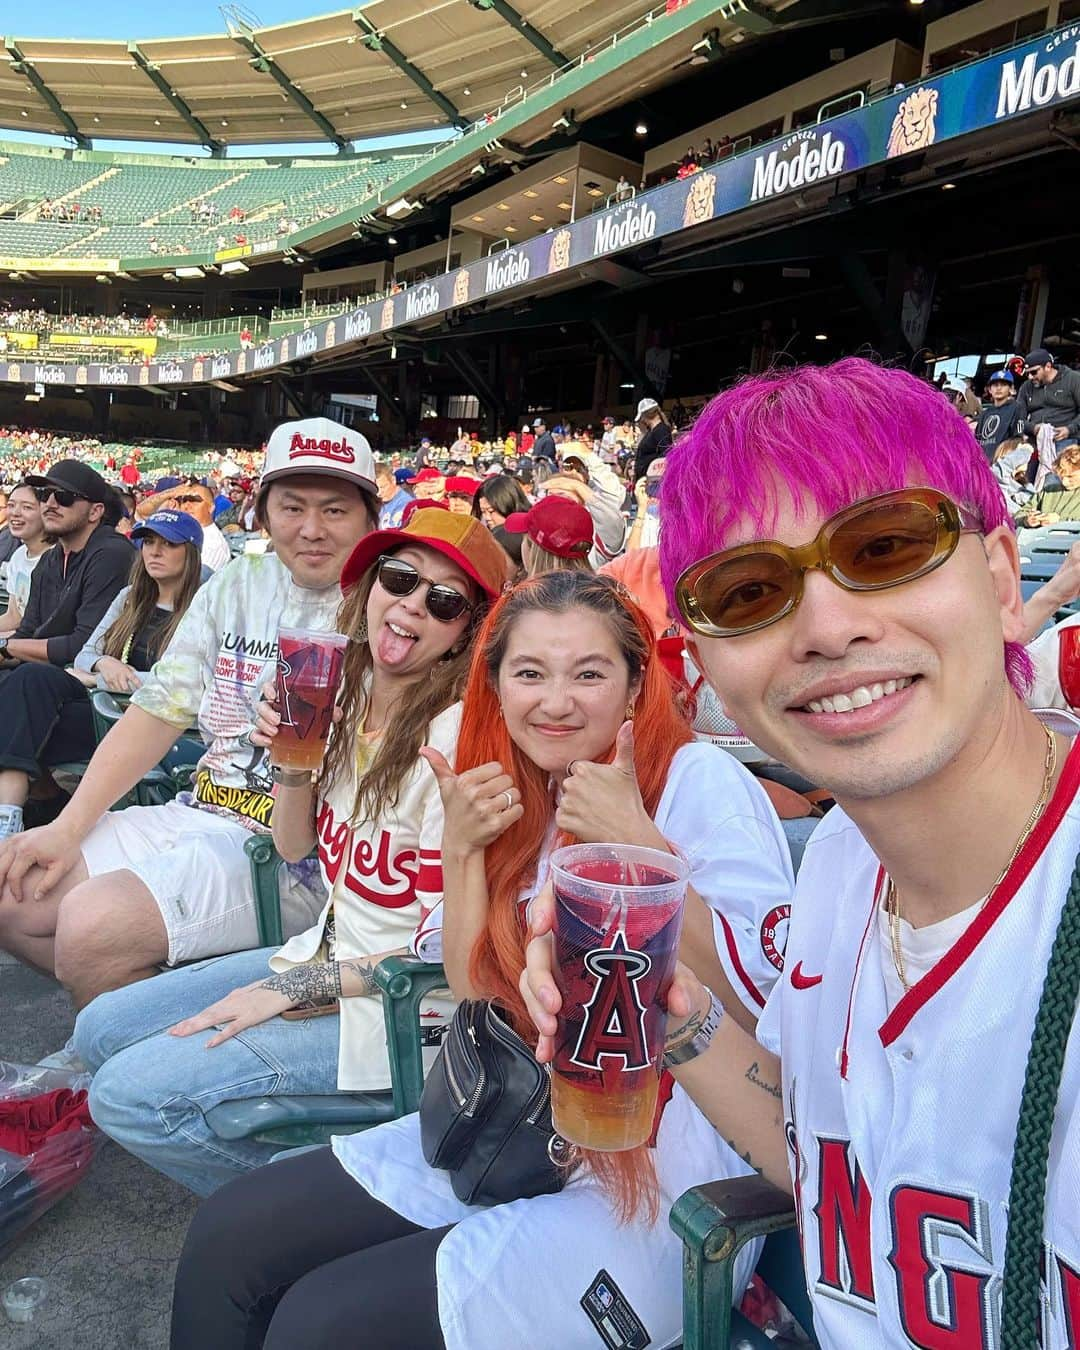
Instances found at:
x=478 y=804
x=601 y=803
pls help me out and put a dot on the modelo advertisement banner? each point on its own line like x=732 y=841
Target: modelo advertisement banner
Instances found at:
x=1037 y=74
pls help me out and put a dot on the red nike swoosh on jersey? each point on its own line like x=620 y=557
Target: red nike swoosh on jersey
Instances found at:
x=801 y=981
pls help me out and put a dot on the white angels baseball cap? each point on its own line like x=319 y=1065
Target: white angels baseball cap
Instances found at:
x=318 y=445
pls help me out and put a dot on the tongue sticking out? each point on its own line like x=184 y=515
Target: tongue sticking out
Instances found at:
x=392 y=648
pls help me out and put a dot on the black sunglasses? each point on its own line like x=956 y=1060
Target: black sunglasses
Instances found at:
x=400 y=578
x=64 y=496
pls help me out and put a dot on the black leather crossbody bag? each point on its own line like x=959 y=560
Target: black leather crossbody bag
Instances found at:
x=485 y=1113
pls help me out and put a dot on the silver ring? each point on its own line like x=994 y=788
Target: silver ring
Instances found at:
x=509 y=800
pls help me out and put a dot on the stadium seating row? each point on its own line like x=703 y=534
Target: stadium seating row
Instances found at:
x=141 y=202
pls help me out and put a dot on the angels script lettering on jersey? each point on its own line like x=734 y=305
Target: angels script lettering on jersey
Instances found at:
x=371 y=872
x=946 y=1274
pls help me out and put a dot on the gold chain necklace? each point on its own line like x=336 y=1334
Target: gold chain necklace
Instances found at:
x=892 y=899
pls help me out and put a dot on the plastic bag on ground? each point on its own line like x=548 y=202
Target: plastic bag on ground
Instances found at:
x=47 y=1142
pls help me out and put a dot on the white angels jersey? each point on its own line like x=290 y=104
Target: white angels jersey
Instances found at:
x=900 y=1125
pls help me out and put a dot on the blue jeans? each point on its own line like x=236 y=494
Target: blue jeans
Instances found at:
x=150 y=1089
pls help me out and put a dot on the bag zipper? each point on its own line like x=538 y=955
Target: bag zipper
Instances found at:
x=542 y=1096
x=467 y=1102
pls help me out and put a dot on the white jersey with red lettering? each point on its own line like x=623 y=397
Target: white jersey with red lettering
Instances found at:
x=900 y=1124
x=384 y=877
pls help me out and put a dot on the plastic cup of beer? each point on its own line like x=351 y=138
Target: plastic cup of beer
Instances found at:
x=618 y=917
x=308 y=674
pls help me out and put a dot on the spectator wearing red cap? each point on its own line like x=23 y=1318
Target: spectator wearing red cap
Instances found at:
x=460 y=492
x=558 y=536
x=427 y=484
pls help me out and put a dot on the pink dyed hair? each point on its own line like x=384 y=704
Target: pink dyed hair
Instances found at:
x=830 y=434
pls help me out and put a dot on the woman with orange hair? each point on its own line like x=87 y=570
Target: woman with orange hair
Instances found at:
x=569 y=732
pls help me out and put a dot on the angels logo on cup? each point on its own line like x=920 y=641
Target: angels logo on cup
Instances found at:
x=614 y=1015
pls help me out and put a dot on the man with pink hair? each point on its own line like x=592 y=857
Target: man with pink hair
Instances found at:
x=846 y=565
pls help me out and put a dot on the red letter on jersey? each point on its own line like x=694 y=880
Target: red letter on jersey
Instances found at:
x=941 y=1307
x=1070 y=1299
x=843 y=1217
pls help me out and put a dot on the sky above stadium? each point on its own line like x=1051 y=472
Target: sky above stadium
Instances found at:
x=121 y=19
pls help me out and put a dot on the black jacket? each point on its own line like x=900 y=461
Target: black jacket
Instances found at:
x=655 y=443
x=1057 y=403
x=66 y=603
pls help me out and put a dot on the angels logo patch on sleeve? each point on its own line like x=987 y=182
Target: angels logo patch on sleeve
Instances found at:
x=774 y=930
x=608 y=1309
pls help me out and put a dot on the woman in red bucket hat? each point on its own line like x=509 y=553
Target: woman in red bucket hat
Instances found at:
x=558 y=536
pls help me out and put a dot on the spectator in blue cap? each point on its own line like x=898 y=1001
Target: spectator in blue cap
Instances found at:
x=394 y=497
x=49 y=720
x=997 y=419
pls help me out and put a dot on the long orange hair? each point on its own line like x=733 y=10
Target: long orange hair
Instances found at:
x=511 y=861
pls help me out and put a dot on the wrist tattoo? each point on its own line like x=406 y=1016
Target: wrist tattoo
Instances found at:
x=307 y=983
x=684 y=1031
x=753 y=1075
x=364 y=971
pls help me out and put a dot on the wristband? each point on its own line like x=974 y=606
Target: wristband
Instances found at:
x=698 y=1043
x=291 y=777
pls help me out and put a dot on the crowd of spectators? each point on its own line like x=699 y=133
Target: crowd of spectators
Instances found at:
x=446 y=782
x=22 y=320
x=69 y=213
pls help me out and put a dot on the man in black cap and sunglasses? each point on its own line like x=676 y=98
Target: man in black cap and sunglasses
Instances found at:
x=1050 y=394
x=77 y=580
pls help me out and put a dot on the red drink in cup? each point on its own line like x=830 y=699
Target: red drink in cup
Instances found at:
x=618 y=917
x=1069 y=664
x=309 y=672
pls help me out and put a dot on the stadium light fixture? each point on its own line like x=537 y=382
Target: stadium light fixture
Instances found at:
x=391 y=239
x=190 y=273
x=478 y=169
x=234 y=267
x=821 y=337
x=641 y=129
x=467 y=91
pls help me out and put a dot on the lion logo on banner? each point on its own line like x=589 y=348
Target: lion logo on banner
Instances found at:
x=241 y=363
x=915 y=124
x=559 y=258
x=144 y=374
x=387 y=320
x=197 y=371
x=80 y=375
x=461 y=288
x=700 y=200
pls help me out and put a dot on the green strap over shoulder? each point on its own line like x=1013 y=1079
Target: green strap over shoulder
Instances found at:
x=1021 y=1312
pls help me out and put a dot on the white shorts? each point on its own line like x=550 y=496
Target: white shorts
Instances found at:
x=194 y=865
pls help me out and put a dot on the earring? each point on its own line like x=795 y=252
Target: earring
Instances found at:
x=361 y=632
x=630 y=710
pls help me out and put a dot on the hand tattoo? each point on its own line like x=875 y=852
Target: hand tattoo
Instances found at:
x=753 y=1075
x=307 y=983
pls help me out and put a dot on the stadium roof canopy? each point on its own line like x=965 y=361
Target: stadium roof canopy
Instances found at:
x=389 y=66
